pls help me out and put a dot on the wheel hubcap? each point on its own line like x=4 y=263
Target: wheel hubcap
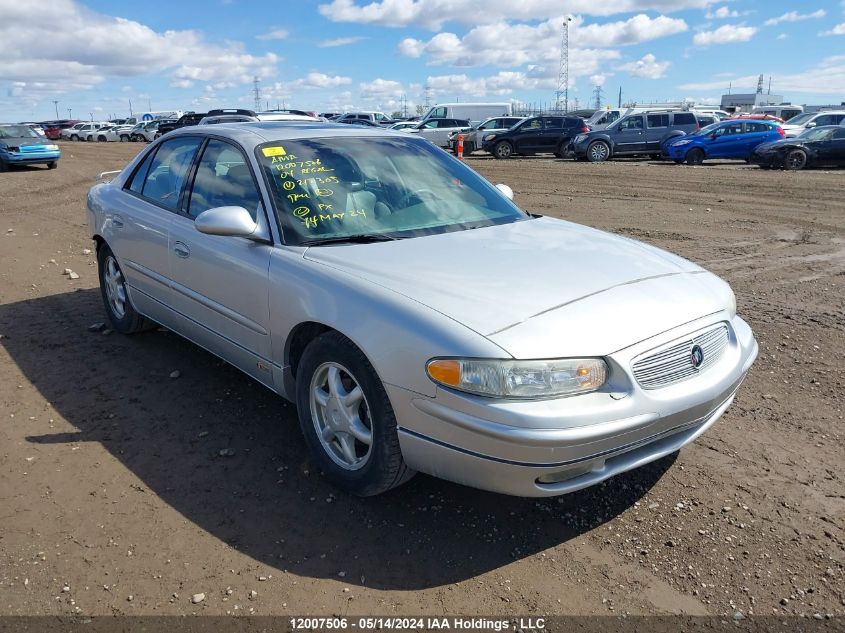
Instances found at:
x=115 y=288
x=341 y=416
x=599 y=152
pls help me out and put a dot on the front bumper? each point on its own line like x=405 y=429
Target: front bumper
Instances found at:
x=553 y=447
x=769 y=159
x=30 y=158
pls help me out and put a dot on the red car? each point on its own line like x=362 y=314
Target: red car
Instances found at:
x=53 y=129
x=759 y=117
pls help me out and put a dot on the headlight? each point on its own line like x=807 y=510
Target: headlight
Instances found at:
x=519 y=378
x=489 y=137
x=685 y=141
x=580 y=138
x=50 y=147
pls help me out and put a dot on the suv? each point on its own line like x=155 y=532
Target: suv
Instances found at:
x=535 y=135
x=191 y=118
x=473 y=135
x=797 y=124
x=635 y=134
x=80 y=131
x=438 y=130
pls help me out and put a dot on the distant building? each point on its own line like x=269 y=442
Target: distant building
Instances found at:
x=747 y=102
x=832 y=106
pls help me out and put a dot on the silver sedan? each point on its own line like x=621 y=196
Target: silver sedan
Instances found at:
x=417 y=317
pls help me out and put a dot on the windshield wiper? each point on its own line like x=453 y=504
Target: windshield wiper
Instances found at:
x=363 y=238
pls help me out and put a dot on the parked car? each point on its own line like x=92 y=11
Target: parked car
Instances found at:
x=535 y=135
x=823 y=145
x=438 y=130
x=473 y=135
x=35 y=126
x=53 y=129
x=641 y=133
x=330 y=116
x=797 y=124
x=404 y=125
x=783 y=111
x=113 y=133
x=375 y=117
x=79 y=131
x=757 y=117
x=93 y=133
x=474 y=112
x=192 y=118
x=149 y=131
x=402 y=321
x=706 y=119
x=727 y=139
x=21 y=145
x=360 y=122
x=227 y=118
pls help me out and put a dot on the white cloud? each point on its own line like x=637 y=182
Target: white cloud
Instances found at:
x=90 y=46
x=827 y=77
x=646 y=68
x=484 y=45
x=275 y=34
x=782 y=36
x=839 y=29
x=432 y=14
x=381 y=88
x=794 y=16
x=727 y=34
x=721 y=13
x=341 y=41
x=598 y=79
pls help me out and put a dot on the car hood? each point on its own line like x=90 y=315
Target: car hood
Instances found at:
x=533 y=287
x=18 y=141
x=776 y=145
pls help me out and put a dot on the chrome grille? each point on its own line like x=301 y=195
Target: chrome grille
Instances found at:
x=673 y=363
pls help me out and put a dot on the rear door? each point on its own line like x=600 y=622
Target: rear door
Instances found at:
x=220 y=283
x=657 y=128
x=756 y=133
x=553 y=132
x=139 y=231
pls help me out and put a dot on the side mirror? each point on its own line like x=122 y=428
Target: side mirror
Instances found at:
x=811 y=124
x=505 y=191
x=230 y=221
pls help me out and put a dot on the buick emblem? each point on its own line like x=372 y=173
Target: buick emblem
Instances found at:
x=697 y=356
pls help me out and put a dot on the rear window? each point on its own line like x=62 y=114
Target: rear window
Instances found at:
x=684 y=118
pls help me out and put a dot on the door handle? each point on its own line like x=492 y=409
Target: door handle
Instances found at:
x=117 y=222
x=181 y=250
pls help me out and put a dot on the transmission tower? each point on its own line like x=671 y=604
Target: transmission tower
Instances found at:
x=597 y=97
x=256 y=92
x=760 y=85
x=563 y=71
x=427 y=96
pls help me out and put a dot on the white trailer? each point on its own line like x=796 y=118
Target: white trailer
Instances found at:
x=473 y=112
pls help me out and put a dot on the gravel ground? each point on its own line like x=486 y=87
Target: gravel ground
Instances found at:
x=115 y=497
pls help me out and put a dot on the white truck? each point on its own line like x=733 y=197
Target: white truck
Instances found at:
x=153 y=116
x=475 y=113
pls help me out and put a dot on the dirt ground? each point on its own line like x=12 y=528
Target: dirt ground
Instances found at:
x=114 y=498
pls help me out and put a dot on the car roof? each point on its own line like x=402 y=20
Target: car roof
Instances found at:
x=257 y=132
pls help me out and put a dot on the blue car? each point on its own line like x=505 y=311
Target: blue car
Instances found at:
x=726 y=139
x=21 y=145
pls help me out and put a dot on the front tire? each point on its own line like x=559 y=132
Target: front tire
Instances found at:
x=503 y=150
x=695 y=156
x=74 y=137
x=102 y=139
x=346 y=418
x=52 y=164
x=795 y=160
x=119 y=309
x=124 y=138
x=598 y=152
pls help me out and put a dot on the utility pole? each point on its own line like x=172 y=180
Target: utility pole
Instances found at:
x=130 y=107
x=427 y=96
x=620 y=97
x=256 y=92
x=68 y=113
x=563 y=70
x=56 y=103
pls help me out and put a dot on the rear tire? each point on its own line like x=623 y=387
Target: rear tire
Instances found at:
x=795 y=160
x=52 y=164
x=503 y=150
x=74 y=137
x=4 y=166
x=366 y=461
x=102 y=139
x=119 y=309
x=598 y=152
x=695 y=156
x=124 y=138
x=655 y=156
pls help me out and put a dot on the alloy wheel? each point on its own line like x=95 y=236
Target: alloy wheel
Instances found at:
x=115 y=287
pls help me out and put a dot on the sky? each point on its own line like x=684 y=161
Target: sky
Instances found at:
x=94 y=57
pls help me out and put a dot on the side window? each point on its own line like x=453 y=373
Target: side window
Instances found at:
x=554 y=123
x=491 y=124
x=838 y=118
x=438 y=113
x=533 y=124
x=839 y=134
x=430 y=124
x=658 y=120
x=632 y=123
x=223 y=179
x=684 y=118
x=140 y=174
x=168 y=171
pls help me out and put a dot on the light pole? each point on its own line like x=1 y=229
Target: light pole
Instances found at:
x=56 y=103
x=68 y=114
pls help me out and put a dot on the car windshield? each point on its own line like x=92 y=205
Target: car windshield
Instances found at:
x=800 y=119
x=343 y=187
x=17 y=131
x=816 y=134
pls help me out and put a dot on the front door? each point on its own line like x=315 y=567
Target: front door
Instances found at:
x=630 y=136
x=729 y=139
x=220 y=284
x=527 y=139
